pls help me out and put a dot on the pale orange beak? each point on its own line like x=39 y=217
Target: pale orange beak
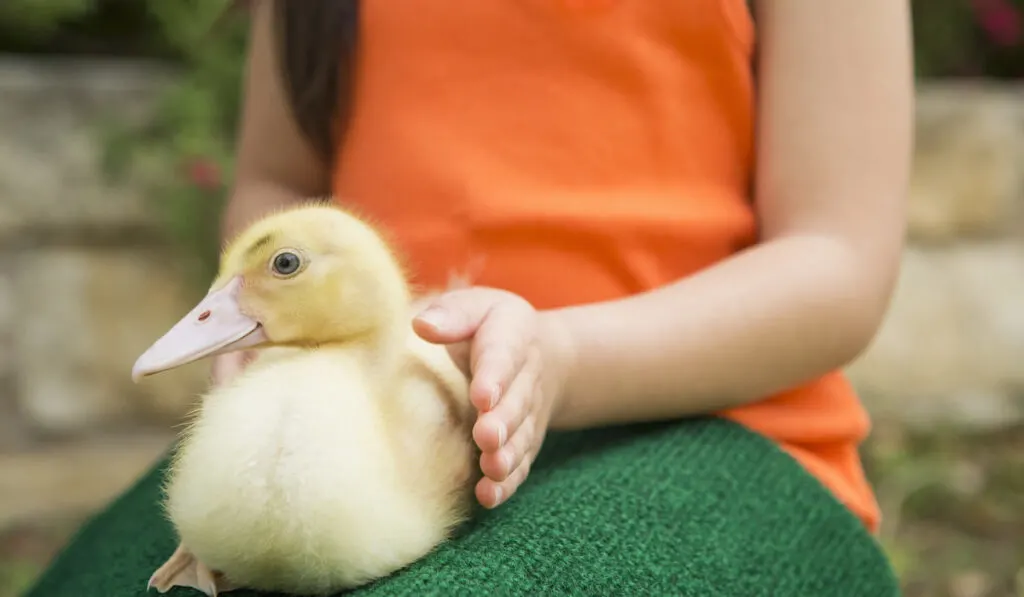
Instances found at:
x=215 y=326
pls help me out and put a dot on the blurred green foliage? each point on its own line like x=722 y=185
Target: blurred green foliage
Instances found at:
x=184 y=152
x=43 y=17
x=191 y=136
x=190 y=139
x=969 y=38
x=90 y=27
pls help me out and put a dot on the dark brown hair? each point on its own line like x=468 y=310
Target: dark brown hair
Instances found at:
x=316 y=46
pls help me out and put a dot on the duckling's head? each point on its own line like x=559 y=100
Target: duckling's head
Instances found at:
x=308 y=276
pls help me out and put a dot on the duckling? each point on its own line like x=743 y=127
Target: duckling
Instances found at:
x=343 y=452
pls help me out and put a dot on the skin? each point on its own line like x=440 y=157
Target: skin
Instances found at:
x=834 y=140
x=276 y=167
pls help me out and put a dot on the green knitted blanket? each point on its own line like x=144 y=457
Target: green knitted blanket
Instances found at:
x=700 y=507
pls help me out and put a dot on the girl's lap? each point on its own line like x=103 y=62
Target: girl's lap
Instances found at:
x=700 y=507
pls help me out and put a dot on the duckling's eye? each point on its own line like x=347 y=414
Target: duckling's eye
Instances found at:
x=286 y=263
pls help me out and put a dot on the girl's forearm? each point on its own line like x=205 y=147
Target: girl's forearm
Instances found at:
x=770 y=318
x=275 y=165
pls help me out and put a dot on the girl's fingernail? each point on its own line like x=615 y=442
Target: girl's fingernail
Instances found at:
x=435 y=317
x=495 y=395
x=498 y=494
x=502 y=434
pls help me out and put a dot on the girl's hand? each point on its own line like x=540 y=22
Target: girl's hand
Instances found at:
x=512 y=356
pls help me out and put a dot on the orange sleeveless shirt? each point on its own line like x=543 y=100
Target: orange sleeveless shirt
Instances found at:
x=574 y=151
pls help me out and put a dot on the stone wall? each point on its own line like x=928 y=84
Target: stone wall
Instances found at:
x=952 y=349
x=87 y=281
x=86 y=284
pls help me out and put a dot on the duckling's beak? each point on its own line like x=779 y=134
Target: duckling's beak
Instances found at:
x=215 y=326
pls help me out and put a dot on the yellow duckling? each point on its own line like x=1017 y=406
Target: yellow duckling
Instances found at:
x=344 y=451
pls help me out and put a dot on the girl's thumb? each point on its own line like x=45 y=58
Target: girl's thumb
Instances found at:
x=453 y=317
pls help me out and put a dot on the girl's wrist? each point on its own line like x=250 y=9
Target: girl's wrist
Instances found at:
x=560 y=359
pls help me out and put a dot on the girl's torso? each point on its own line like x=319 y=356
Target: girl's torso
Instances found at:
x=575 y=151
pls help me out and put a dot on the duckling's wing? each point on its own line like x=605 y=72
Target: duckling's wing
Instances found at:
x=183 y=569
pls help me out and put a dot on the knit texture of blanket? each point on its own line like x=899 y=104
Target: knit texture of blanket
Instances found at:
x=702 y=508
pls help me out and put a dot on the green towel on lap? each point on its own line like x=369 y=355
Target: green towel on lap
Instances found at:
x=702 y=507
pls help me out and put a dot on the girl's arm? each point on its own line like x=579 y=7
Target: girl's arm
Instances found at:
x=276 y=166
x=834 y=150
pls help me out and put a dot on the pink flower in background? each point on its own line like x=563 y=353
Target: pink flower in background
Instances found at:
x=204 y=173
x=1000 y=19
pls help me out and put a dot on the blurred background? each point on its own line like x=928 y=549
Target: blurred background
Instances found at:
x=116 y=124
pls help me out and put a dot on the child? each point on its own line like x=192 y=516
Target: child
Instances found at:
x=597 y=158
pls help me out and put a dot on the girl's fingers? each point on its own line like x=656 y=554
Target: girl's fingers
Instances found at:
x=494 y=428
x=499 y=465
x=493 y=376
x=499 y=353
x=459 y=352
x=491 y=494
x=505 y=370
x=500 y=325
x=455 y=316
x=444 y=325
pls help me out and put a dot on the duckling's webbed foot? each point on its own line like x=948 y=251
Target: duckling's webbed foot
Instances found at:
x=183 y=569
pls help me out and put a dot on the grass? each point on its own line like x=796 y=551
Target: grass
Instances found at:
x=954 y=510
x=25 y=550
x=953 y=505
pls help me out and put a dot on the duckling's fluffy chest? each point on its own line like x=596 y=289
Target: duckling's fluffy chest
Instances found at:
x=288 y=480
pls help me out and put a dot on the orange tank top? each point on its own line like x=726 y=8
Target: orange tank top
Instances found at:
x=575 y=151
